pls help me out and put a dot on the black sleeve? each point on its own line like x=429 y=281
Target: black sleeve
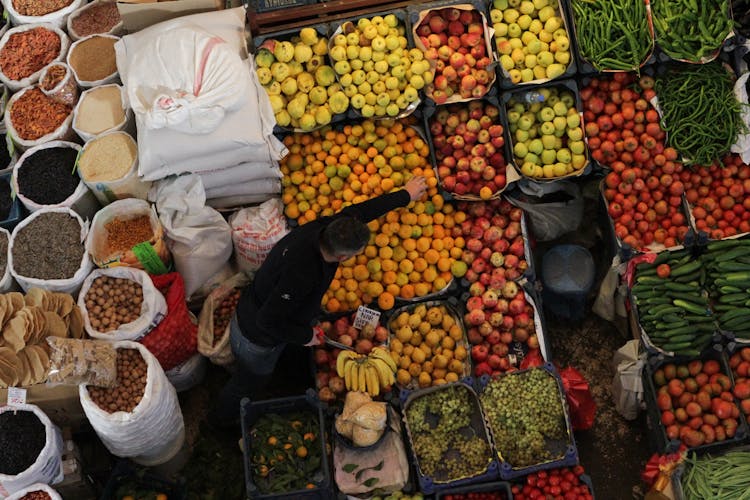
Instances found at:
x=375 y=207
x=286 y=310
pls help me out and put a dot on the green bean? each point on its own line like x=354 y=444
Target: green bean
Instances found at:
x=698 y=29
x=726 y=476
x=612 y=35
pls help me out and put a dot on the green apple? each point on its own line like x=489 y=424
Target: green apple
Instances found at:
x=577 y=147
x=574 y=120
x=549 y=157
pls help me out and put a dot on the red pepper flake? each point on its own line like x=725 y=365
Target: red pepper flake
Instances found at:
x=53 y=77
x=27 y=52
x=39 y=7
x=99 y=18
x=35 y=115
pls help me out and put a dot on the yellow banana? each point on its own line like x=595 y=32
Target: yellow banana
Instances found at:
x=380 y=353
x=362 y=377
x=341 y=362
x=349 y=374
x=382 y=370
x=373 y=383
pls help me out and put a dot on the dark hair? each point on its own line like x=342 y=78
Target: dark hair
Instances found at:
x=345 y=235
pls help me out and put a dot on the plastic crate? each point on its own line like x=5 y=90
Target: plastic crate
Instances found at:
x=568 y=273
x=126 y=474
x=429 y=485
x=269 y=5
x=568 y=449
x=657 y=433
x=730 y=350
x=496 y=487
x=251 y=412
x=679 y=493
x=17 y=210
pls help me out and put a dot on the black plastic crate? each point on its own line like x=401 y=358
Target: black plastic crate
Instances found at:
x=679 y=493
x=130 y=479
x=497 y=487
x=251 y=412
x=269 y=5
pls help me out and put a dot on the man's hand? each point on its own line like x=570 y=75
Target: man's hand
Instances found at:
x=316 y=338
x=416 y=186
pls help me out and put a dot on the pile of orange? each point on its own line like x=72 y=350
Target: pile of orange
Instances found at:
x=411 y=250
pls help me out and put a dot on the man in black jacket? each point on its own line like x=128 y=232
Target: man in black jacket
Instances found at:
x=283 y=302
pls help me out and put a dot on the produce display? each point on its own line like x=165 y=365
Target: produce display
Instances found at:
x=428 y=344
x=300 y=84
x=131 y=382
x=644 y=187
x=362 y=420
x=696 y=402
x=687 y=95
x=469 y=142
x=285 y=451
x=613 y=36
x=112 y=302
x=370 y=373
x=447 y=434
x=547 y=133
x=675 y=22
x=673 y=309
x=526 y=416
x=739 y=363
x=475 y=496
x=457 y=46
x=727 y=265
x=375 y=68
x=532 y=40
x=711 y=476
x=554 y=483
x=719 y=197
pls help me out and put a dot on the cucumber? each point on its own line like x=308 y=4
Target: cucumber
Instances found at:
x=686 y=269
x=737 y=277
x=688 y=337
x=721 y=245
x=735 y=312
x=649 y=280
x=733 y=254
x=676 y=346
x=694 y=276
x=680 y=287
x=729 y=267
x=693 y=308
x=682 y=330
x=646 y=272
x=688 y=353
x=672 y=318
x=671 y=325
x=661 y=259
x=733 y=298
x=689 y=297
x=701 y=340
x=699 y=319
x=729 y=289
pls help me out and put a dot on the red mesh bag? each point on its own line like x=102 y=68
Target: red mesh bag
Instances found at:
x=580 y=401
x=175 y=339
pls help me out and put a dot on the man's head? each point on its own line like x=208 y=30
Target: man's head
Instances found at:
x=344 y=238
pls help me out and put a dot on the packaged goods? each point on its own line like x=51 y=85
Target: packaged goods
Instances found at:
x=128 y=391
x=77 y=361
x=57 y=81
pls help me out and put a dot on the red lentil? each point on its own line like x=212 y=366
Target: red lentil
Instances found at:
x=34 y=115
x=27 y=52
x=39 y=7
x=54 y=76
x=99 y=18
x=124 y=234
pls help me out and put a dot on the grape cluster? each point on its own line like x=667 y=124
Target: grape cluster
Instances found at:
x=524 y=411
x=439 y=422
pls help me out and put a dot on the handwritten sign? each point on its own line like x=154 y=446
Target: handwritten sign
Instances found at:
x=16 y=396
x=366 y=316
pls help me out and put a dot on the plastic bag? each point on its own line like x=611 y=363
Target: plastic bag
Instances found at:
x=187 y=375
x=15 y=85
x=255 y=231
x=175 y=339
x=556 y=211
x=48 y=465
x=627 y=385
x=53 y=495
x=78 y=361
x=742 y=145
x=579 y=398
x=198 y=237
x=66 y=90
x=219 y=351
x=153 y=306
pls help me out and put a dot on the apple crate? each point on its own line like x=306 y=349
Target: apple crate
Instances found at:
x=658 y=437
x=440 y=30
x=590 y=67
x=476 y=427
x=528 y=99
x=562 y=448
x=497 y=10
x=441 y=148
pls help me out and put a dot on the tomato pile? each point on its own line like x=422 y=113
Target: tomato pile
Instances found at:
x=739 y=362
x=644 y=188
x=564 y=484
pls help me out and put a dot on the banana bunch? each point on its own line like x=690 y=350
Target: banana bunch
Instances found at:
x=367 y=373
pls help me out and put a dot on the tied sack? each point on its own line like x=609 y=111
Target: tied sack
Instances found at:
x=218 y=351
x=255 y=231
x=174 y=340
x=186 y=79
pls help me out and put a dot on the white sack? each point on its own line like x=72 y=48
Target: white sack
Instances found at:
x=56 y=18
x=244 y=172
x=255 y=231
x=35 y=487
x=258 y=186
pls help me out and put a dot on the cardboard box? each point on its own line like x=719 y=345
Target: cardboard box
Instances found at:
x=61 y=403
x=136 y=16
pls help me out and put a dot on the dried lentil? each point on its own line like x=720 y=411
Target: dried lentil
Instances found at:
x=46 y=177
x=124 y=234
x=100 y=109
x=107 y=158
x=35 y=115
x=99 y=18
x=53 y=77
x=27 y=52
x=39 y=7
x=49 y=247
x=93 y=59
x=22 y=438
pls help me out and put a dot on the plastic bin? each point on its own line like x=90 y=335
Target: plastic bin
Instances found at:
x=130 y=479
x=497 y=487
x=251 y=412
x=568 y=273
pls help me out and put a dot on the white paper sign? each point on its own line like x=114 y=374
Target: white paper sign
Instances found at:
x=16 y=396
x=366 y=316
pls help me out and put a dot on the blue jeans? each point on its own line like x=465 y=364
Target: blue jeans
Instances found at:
x=254 y=367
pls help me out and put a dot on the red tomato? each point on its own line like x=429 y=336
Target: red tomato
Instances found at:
x=663 y=270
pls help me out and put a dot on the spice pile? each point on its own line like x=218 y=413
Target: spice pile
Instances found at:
x=36 y=495
x=131 y=383
x=46 y=177
x=100 y=109
x=53 y=77
x=93 y=59
x=223 y=313
x=35 y=115
x=27 y=52
x=124 y=234
x=49 y=247
x=22 y=438
x=112 y=302
x=107 y=158
x=39 y=7
x=99 y=18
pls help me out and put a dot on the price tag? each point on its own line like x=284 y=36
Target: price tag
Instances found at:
x=16 y=396
x=366 y=316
